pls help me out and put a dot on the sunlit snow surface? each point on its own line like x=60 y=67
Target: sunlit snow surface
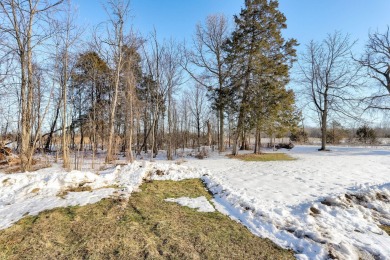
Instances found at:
x=324 y=204
x=274 y=200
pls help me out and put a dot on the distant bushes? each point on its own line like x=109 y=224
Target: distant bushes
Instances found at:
x=337 y=134
x=299 y=136
x=366 y=134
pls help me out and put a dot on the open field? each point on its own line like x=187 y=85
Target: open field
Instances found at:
x=321 y=205
x=313 y=204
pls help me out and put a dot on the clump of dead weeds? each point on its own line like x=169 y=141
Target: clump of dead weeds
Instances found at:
x=80 y=188
x=382 y=197
x=14 y=165
x=314 y=211
x=160 y=173
x=203 y=153
x=386 y=229
x=180 y=161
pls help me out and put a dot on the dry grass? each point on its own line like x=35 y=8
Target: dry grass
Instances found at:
x=14 y=166
x=82 y=187
x=35 y=190
x=386 y=229
x=263 y=157
x=144 y=227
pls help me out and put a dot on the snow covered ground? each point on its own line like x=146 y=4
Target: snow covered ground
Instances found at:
x=302 y=204
x=324 y=204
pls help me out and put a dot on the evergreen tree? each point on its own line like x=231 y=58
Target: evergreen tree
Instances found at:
x=366 y=134
x=260 y=58
x=90 y=97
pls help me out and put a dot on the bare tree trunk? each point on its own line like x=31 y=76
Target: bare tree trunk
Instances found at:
x=209 y=137
x=257 y=141
x=256 y=150
x=130 y=151
x=324 y=118
x=120 y=10
x=169 y=150
x=19 y=22
x=155 y=138
x=130 y=113
x=153 y=145
x=238 y=132
x=52 y=127
x=111 y=122
x=64 y=140
x=138 y=133
x=221 y=140
x=28 y=148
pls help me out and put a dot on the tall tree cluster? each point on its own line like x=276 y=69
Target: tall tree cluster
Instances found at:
x=208 y=56
x=123 y=94
x=26 y=26
x=259 y=59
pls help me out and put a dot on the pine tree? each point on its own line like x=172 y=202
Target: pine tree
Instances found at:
x=90 y=92
x=260 y=58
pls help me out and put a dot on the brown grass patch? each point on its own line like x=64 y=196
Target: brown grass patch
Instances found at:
x=5 y=181
x=113 y=186
x=13 y=166
x=35 y=190
x=144 y=227
x=79 y=188
x=263 y=157
x=382 y=197
x=386 y=229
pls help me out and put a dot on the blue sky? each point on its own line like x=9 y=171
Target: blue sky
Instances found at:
x=306 y=19
x=313 y=19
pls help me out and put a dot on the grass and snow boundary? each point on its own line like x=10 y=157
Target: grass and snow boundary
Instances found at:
x=326 y=220
x=24 y=194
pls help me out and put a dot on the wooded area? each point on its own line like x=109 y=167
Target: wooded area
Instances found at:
x=123 y=93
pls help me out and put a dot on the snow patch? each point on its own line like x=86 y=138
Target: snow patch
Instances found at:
x=24 y=194
x=200 y=203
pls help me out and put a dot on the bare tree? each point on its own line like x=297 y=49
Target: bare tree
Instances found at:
x=197 y=97
x=26 y=22
x=328 y=75
x=172 y=77
x=184 y=120
x=208 y=55
x=7 y=67
x=154 y=85
x=162 y=65
x=376 y=60
x=132 y=75
x=67 y=38
x=118 y=11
